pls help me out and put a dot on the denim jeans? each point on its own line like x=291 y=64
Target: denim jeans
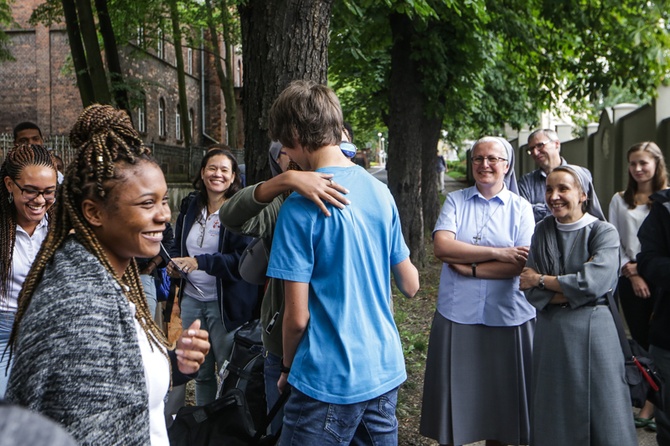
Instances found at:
x=311 y=422
x=149 y=285
x=271 y=373
x=220 y=339
x=661 y=358
x=6 y=322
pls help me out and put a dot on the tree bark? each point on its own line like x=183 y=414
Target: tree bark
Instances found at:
x=112 y=55
x=228 y=88
x=429 y=193
x=84 y=83
x=405 y=124
x=282 y=40
x=94 y=63
x=181 y=76
x=227 y=76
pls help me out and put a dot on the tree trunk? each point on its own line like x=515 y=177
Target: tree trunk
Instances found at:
x=429 y=192
x=112 y=55
x=181 y=76
x=298 y=51
x=228 y=87
x=84 y=83
x=227 y=76
x=405 y=123
x=94 y=63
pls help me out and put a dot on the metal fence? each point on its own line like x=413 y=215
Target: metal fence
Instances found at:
x=60 y=144
x=178 y=163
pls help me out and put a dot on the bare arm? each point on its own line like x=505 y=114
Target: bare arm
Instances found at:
x=452 y=251
x=489 y=270
x=315 y=186
x=406 y=277
x=296 y=317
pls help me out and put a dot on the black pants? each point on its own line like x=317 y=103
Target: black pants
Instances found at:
x=636 y=311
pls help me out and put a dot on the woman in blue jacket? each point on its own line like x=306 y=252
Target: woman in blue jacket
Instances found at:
x=209 y=256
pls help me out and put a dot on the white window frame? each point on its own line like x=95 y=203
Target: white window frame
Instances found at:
x=162 y=127
x=160 y=45
x=177 y=126
x=191 y=122
x=189 y=61
x=142 y=117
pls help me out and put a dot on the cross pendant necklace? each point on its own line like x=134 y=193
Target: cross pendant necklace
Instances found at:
x=478 y=237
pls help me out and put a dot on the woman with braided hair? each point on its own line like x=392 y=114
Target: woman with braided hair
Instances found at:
x=26 y=200
x=87 y=352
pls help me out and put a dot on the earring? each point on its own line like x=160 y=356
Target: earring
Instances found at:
x=10 y=198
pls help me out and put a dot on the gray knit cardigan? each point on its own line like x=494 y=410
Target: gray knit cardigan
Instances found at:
x=78 y=359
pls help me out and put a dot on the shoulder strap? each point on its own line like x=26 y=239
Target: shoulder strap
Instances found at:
x=618 y=322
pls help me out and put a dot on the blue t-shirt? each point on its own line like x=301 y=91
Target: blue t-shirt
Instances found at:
x=351 y=350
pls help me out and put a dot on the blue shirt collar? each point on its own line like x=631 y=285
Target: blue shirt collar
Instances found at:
x=503 y=196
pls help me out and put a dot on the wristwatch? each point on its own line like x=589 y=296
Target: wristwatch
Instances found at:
x=541 y=284
x=474 y=270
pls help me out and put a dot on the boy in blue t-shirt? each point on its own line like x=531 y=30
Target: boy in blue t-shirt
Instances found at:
x=342 y=351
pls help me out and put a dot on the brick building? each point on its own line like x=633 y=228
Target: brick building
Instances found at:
x=40 y=86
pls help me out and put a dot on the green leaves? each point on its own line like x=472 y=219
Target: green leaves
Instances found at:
x=486 y=63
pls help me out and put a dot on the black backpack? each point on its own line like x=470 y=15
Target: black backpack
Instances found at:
x=244 y=370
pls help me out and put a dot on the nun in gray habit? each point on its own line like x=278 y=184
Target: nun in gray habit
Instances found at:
x=578 y=392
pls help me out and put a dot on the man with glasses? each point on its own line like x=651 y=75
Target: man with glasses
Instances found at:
x=545 y=149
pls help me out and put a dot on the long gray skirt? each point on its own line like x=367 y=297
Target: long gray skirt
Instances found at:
x=579 y=394
x=477 y=384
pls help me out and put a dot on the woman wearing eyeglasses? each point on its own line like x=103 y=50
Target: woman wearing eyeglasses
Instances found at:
x=209 y=256
x=479 y=355
x=26 y=199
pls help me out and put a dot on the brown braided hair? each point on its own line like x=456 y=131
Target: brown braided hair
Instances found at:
x=17 y=159
x=107 y=143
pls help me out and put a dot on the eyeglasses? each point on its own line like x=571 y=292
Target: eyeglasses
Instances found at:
x=493 y=160
x=30 y=194
x=538 y=146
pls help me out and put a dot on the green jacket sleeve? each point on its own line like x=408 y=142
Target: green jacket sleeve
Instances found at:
x=243 y=214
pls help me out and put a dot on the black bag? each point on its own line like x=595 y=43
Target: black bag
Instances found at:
x=254 y=262
x=244 y=370
x=642 y=375
x=223 y=422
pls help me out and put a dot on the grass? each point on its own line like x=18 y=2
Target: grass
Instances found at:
x=413 y=318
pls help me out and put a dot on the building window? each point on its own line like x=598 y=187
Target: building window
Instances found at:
x=142 y=117
x=177 y=124
x=189 y=61
x=191 y=123
x=162 y=124
x=160 y=49
x=140 y=36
